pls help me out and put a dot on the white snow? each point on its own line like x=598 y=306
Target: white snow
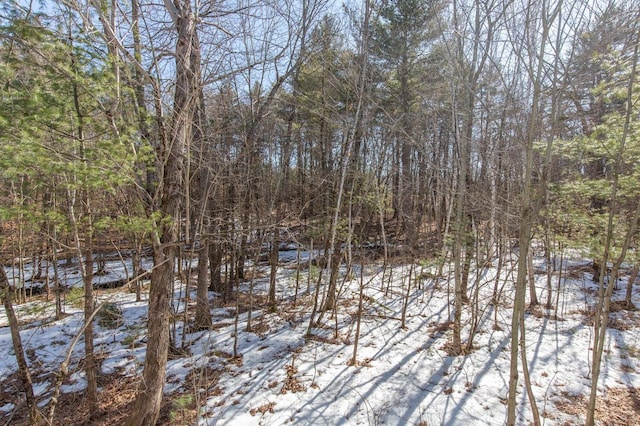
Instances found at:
x=403 y=376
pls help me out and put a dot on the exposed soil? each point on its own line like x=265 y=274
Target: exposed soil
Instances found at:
x=115 y=401
x=618 y=407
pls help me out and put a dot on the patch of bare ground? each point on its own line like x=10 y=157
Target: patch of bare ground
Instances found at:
x=464 y=350
x=536 y=311
x=323 y=339
x=260 y=327
x=578 y=271
x=618 y=407
x=268 y=407
x=115 y=402
x=621 y=305
x=618 y=323
x=10 y=394
x=437 y=329
x=291 y=383
x=230 y=359
x=542 y=311
x=364 y=363
x=619 y=317
x=258 y=301
x=588 y=316
x=622 y=318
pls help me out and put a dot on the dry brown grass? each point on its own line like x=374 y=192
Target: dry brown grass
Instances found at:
x=115 y=402
x=618 y=407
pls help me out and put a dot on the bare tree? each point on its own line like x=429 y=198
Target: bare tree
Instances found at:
x=23 y=367
x=546 y=14
x=169 y=196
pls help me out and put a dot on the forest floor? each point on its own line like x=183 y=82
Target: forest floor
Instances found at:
x=403 y=376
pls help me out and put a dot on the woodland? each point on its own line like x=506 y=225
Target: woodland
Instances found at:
x=319 y=212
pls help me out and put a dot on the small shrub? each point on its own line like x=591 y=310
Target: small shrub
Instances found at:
x=110 y=316
x=129 y=340
x=183 y=401
x=34 y=309
x=314 y=273
x=181 y=408
x=632 y=350
x=75 y=297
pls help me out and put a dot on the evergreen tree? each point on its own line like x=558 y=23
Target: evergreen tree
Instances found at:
x=58 y=138
x=400 y=40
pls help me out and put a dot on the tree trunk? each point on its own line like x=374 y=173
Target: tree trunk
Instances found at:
x=518 y=303
x=354 y=359
x=468 y=256
x=148 y=401
x=202 y=222
x=405 y=301
x=86 y=268
x=203 y=314
x=135 y=266
x=171 y=155
x=549 y=267
x=274 y=269
x=215 y=267
x=529 y=209
x=533 y=295
x=23 y=368
x=56 y=275
x=629 y=292
x=332 y=288
x=90 y=359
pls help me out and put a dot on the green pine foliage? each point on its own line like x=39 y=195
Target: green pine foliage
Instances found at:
x=58 y=130
x=582 y=200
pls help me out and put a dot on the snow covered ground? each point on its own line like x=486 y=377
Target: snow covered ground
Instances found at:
x=116 y=267
x=403 y=375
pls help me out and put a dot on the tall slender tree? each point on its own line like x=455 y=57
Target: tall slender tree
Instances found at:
x=169 y=197
x=400 y=36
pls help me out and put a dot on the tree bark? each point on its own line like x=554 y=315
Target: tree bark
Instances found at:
x=334 y=269
x=274 y=269
x=203 y=315
x=533 y=295
x=629 y=292
x=529 y=209
x=23 y=368
x=215 y=267
x=171 y=155
x=86 y=265
x=90 y=359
